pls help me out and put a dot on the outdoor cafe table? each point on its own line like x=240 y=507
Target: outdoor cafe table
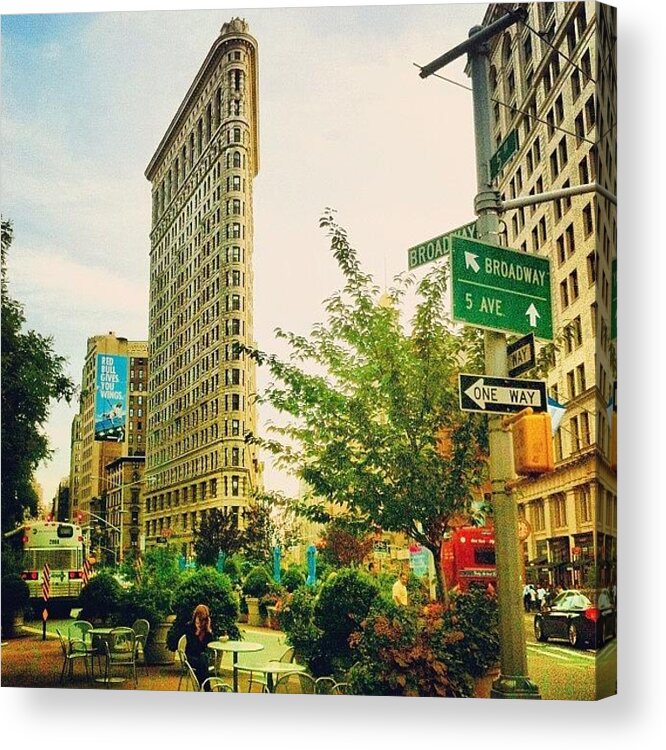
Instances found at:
x=235 y=647
x=276 y=668
x=99 y=637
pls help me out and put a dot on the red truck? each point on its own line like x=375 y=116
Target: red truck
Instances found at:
x=469 y=557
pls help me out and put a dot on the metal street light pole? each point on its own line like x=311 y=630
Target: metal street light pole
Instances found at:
x=513 y=681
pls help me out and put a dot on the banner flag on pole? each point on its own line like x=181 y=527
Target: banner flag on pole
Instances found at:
x=556 y=411
x=46 y=582
x=87 y=569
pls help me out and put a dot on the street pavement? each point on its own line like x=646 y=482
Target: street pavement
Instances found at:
x=565 y=673
x=29 y=661
x=560 y=671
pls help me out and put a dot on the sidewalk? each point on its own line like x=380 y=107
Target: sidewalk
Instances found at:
x=28 y=661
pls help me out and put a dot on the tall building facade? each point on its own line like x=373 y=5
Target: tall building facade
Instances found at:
x=201 y=297
x=553 y=81
x=110 y=424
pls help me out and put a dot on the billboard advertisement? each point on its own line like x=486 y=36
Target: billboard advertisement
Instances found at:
x=111 y=397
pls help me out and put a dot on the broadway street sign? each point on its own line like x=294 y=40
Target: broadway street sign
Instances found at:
x=500 y=289
x=437 y=247
x=487 y=394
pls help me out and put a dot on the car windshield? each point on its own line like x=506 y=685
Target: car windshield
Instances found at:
x=571 y=600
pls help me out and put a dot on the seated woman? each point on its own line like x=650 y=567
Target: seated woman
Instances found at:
x=198 y=635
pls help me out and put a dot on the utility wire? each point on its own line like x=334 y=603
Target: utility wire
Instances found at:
x=512 y=107
x=544 y=39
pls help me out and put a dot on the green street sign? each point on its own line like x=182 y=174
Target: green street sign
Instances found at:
x=500 y=289
x=614 y=300
x=506 y=150
x=437 y=247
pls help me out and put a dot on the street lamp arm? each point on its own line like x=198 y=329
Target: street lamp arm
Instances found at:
x=103 y=520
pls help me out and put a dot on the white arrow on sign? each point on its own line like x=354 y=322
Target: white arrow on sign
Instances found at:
x=533 y=315
x=470 y=261
x=483 y=394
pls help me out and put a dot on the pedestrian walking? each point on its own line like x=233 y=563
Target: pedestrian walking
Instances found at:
x=533 y=598
x=526 y=597
x=541 y=597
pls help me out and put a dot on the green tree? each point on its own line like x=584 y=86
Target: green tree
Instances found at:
x=265 y=529
x=217 y=532
x=33 y=375
x=365 y=399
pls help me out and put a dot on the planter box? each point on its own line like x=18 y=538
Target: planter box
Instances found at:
x=483 y=685
x=157 y=651
x=253 y=615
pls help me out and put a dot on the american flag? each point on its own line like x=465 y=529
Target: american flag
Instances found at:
x=46 y=582
x=138 y=568
x=87 y=569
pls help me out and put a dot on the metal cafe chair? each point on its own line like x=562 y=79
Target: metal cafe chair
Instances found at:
x=120 y=652
x=142 y=628
x=78 y=632
x=71 y=651
x=217 y=685
x=182 y=659
x=325 y=686
x=296 y=682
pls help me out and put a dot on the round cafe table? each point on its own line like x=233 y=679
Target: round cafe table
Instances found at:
x=235 y=647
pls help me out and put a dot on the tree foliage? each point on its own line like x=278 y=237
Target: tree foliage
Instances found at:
x=217 y=532
x=364 y=400
x=32 y=376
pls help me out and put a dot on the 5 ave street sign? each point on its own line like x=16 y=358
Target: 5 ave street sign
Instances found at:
x=488 y=394
x=500 y=289
x=437 y=247
x=506 y=150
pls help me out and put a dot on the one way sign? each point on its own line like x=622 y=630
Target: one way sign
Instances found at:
x=488 y=394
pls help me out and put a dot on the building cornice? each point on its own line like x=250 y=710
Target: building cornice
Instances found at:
x=199 y=81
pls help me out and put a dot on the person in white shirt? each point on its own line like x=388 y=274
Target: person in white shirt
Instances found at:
x=399 y=590
x=541 y=596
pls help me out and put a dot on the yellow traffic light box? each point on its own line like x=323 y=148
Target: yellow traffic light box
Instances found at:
x=532 y=443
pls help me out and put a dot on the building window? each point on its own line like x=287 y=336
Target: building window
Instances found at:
x=559 y=506
x=584 y=504
x=592 y=267
x=588 y=223
x=538 y=515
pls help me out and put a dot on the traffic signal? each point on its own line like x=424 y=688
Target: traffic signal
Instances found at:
x=533 y=444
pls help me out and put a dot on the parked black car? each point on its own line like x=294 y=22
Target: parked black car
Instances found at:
x=574 y=618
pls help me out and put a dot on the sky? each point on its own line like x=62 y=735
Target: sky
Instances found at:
x=345 y=122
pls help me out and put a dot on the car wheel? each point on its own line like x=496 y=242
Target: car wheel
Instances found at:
x=572 y=634
x=538 y=631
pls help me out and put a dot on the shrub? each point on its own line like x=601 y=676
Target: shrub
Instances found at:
x=232 y=568
x=398 y=653
x=293 y=578
x=475 y=614
x=258 y=582
x=297 y=621
x=15 y=596
x=102 y=598
x=205 y=586
x=342 y=603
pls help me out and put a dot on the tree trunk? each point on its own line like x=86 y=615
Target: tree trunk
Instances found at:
x=440 y=588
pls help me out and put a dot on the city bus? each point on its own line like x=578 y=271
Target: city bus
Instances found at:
x=468 y=556
x=61 y=546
